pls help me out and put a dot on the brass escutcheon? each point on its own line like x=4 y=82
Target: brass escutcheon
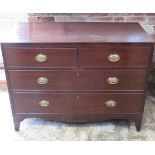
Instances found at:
x=42 y=80
x=41 y=57
x=111 y=103
x=44 y=103
x=113 y=57
x=112 y=80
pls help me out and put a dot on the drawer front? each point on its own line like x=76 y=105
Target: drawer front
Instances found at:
x=40 y=57
x=114 y=57
x=82 y=103
x=77 y=80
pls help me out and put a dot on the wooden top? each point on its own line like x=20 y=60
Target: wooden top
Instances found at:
x=76 y=32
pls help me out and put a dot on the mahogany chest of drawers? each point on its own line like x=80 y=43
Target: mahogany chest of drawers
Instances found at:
x=77 y=72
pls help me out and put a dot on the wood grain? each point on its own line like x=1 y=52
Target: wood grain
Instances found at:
x=98 y=57
x=77 y=80
x=77 y=103
x=77 y=32
x=77 y=70
x=25 y=57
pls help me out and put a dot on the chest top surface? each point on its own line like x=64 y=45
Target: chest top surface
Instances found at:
x=76 y=32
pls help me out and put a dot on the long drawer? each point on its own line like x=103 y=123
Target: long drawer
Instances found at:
x=40 y=57
x=113 y=56
x=77 y=80
x=77 y=103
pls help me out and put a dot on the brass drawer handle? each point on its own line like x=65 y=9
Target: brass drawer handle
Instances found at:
x=44 y=103
x=41 y=57
x=111 y=103
x=42 y=80
x=113 y=57
x=112 y=80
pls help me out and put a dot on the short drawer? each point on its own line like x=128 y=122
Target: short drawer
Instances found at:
x=40 y=57
x=114 y=56
x=77 y=80
x=77 y=103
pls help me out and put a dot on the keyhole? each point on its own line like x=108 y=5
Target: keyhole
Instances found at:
x=77 y=74
x=77 y=96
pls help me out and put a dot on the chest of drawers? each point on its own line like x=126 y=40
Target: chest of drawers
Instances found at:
x=77 y=72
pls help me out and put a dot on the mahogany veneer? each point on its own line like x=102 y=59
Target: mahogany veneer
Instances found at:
x=78 y=103
x=77 y=80
x=77 y=72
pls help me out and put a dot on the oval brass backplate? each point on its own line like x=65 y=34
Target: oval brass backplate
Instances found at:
x=110 y=103
x=42 y=80
x=113 y=57
x=112 y=80
x=44 y=103
x=41 y=57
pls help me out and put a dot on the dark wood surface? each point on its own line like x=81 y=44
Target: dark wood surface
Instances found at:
x=98 y=57
x=25 y=57
x=77 y=69
x=87 y=57
x=76 y=32
x=78 y=80
x=77 y=103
